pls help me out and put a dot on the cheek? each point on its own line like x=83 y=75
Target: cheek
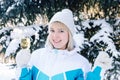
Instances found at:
x=50 y=38
x=65 y=38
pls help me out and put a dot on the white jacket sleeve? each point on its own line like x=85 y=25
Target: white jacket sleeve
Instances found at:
x=23 y=57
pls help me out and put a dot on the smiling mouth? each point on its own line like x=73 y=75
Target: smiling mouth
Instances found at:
x=56 y=41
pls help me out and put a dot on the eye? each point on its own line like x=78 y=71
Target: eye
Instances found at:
x=62 y=31
x=52 y=30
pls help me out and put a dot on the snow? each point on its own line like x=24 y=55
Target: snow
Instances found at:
x=12 y=47
x=6 y=72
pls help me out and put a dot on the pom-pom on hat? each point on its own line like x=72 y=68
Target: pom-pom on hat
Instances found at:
x=66 y=17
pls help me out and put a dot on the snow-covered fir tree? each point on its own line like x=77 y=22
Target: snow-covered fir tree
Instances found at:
x=96 y=39
x=99 y=41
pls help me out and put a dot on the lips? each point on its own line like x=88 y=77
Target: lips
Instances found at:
x=57 y=41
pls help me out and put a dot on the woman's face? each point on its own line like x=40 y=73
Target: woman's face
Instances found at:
x=58 y=36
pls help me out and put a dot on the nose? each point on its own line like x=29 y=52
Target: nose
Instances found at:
x=55 y=34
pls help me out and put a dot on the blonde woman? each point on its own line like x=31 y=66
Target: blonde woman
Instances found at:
x=59 y=59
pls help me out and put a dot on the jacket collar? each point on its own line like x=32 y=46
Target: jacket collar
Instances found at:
x=63 y=52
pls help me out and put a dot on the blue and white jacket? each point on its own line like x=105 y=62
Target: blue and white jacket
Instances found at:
x=47 y=64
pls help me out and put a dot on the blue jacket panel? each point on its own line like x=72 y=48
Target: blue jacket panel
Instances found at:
x=69 y=75
x=25 y=74
x=95 y=74
x=49 y=64
x=35 y=74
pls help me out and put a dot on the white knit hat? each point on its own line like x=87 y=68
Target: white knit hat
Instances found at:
x=66 y=17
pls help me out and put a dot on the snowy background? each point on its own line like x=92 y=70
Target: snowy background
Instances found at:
x=99 y=48
x=7 y=72
x=98 y=40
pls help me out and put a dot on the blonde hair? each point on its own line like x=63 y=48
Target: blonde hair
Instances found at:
x=70 y=44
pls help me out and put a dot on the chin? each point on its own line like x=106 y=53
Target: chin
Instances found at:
x=57 y=47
